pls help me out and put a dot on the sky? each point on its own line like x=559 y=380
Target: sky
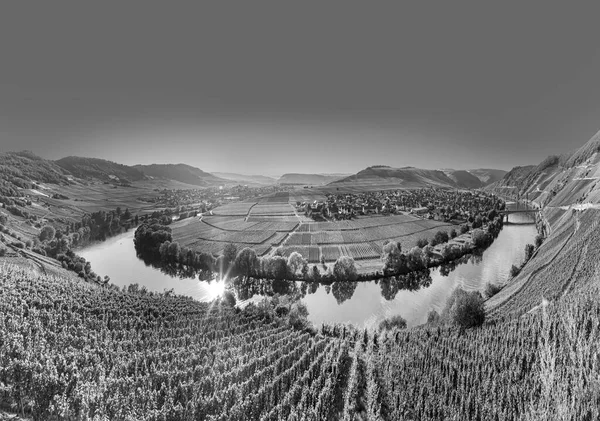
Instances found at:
x=325 y=87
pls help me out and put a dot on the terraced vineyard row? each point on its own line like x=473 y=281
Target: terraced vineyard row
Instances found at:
x=69 y=349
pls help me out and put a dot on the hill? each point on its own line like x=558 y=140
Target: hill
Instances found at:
x=464 y=179
x=378 y=177
x=309 y=179
x=567 y=189
x=21 y=170
x=488 y=176
x=182 y=173
x=192 y=360
x=246 y=179
x=101 y=169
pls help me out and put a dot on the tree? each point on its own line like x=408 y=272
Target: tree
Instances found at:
x=228 y=299
x=466 y=308
x=529 y=249
x=492 y=289
x=392 y=257
x=246 y=262
x=47 y=234
x=3 y=218
x=480 y=238
x=422 y=242
x=539 y=239
x=229 y=255
x=514 y=271
x=344 y=269
x=453 y=233
x=295 y=263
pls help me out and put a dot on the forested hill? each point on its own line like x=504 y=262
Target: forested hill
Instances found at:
x=182 y=173
x=101 y=169
x=23 y=169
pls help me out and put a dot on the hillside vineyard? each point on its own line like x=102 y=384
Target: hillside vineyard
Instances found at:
x=79 y=351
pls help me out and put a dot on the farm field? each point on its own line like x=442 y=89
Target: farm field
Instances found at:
x=277 y=227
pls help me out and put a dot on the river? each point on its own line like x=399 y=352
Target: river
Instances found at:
x=366 y=307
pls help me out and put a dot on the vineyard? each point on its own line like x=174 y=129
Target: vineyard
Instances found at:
x=270 y=222
x=567 y=260
x=73 y=350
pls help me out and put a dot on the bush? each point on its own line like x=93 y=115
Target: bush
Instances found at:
x=2 y=251
x=397 y=322
x=464 y=229
x=453 y=233
x=492 y=289
x=466 y=309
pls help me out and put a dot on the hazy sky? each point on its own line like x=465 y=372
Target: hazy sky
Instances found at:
x=274 y=87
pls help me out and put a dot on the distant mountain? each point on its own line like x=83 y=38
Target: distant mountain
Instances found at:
x=309 y=179
x=246 y=179
x=464 y=179
x=101 y=169
x=488 y=176
x=388 y=177
x=182 y=173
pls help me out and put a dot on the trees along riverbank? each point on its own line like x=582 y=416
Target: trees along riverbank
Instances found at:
x=154 y=244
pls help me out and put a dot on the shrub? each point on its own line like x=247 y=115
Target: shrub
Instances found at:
x=2 y=251
x=453 y=233
x=466 y=309
x=397 y=322
x=492 y=289
x=464 y=229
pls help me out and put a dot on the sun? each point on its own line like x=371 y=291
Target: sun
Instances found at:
x=215 y=288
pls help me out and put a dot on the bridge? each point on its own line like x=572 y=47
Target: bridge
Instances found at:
x=507 y=212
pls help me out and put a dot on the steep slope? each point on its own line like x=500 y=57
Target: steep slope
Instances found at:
x=309 y=179
x=464 y=179
x=246 y=179
x=23 y=169
x=101 y=169
x=180 y=172
x=487 y=175
x=377 y=177
x=567 y=262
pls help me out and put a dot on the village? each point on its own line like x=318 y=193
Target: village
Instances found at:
x=436 y=204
